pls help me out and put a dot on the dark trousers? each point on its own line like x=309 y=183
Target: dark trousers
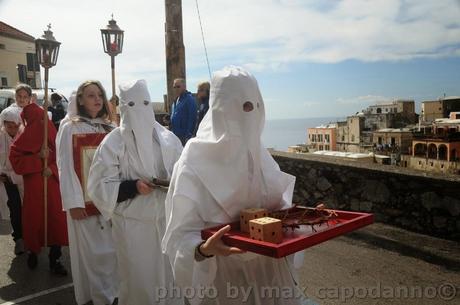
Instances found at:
x=54 y=254
x=14 y=204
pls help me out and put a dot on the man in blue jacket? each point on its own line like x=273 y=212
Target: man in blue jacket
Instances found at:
x=183 y=116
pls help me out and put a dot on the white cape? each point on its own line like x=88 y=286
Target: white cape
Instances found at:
x=222 y=171
x=92 y=253
x=139 y=149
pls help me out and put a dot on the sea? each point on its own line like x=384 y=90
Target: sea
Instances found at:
x=281 y=133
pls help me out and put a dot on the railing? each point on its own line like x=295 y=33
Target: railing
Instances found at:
x=447 y=137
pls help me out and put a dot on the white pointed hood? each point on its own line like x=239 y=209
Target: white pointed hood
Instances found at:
x=227 y=155
x=11 y=113
x=139 y=130
x=72 y=112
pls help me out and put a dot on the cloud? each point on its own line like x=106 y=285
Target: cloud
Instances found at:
x=299 y=31
x=262 y=35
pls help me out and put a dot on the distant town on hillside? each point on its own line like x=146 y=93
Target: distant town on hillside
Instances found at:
x=392 y=133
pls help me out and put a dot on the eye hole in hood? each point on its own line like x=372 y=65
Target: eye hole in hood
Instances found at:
x=248 y=106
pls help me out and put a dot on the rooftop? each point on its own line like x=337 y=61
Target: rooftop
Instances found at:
x=342 y=154
x=9 y=31
x=394 y=130
x=447 y=121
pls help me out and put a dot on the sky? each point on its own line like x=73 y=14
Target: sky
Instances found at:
x=312 y=58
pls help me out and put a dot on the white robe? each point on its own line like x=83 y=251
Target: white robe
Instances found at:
x=92 y=252
x=223 y=170
x=5 y=167
x=247 y=272
x=138 y=223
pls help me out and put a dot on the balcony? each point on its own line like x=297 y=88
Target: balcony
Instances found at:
x=450 y=137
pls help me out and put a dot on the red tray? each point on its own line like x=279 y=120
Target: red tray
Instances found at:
x=294 y=240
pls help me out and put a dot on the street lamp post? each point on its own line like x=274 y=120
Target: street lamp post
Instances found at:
x=112 y=40
x=47 y=49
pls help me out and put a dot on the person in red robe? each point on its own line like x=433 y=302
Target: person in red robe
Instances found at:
x=26 y=159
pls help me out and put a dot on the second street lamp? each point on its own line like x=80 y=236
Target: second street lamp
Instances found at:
x=112 y=40
x=47 y=49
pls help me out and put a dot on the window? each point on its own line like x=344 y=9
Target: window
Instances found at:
x=2 y=46
x=22 y=73
x=326 y=147
x=32 y=62
x=4 y=82
x=352 y=138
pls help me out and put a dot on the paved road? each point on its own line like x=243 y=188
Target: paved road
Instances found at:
x=376 y=265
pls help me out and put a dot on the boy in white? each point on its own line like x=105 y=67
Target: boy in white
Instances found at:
x=120 y=184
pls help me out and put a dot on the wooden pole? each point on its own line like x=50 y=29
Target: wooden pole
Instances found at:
x=175 y=51
x=45 y=156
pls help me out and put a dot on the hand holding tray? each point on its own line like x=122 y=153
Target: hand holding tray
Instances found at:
x=298 y=239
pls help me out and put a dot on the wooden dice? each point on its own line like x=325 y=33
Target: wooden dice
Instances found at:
x=266 y=229
x=250 y=214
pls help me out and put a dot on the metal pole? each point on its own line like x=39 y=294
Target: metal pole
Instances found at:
x=113 y=99
x=45 y=156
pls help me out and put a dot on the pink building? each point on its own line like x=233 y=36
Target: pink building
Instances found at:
x=322 y=137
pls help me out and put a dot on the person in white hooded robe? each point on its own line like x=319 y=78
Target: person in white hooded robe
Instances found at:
x=13 y=190
x=222 y=171
x=92 y=253
x=120 y=184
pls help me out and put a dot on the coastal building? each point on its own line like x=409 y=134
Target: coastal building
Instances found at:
x=342 y=136
x=322 y=137
x=438 y=151
x=298 y=149
x=356 y=134
x=18 y=59
x=396 y=114
x=351 y=135
x=406 y=107
x=454 y=116
x=393 y=140
x=432 y=110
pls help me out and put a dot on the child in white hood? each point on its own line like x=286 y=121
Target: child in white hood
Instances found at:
x=10 y=122
x=120 y=184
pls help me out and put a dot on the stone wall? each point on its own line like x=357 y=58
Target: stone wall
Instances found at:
x=418 y=201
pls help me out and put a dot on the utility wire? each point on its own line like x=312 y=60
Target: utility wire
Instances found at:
x=202 y=36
